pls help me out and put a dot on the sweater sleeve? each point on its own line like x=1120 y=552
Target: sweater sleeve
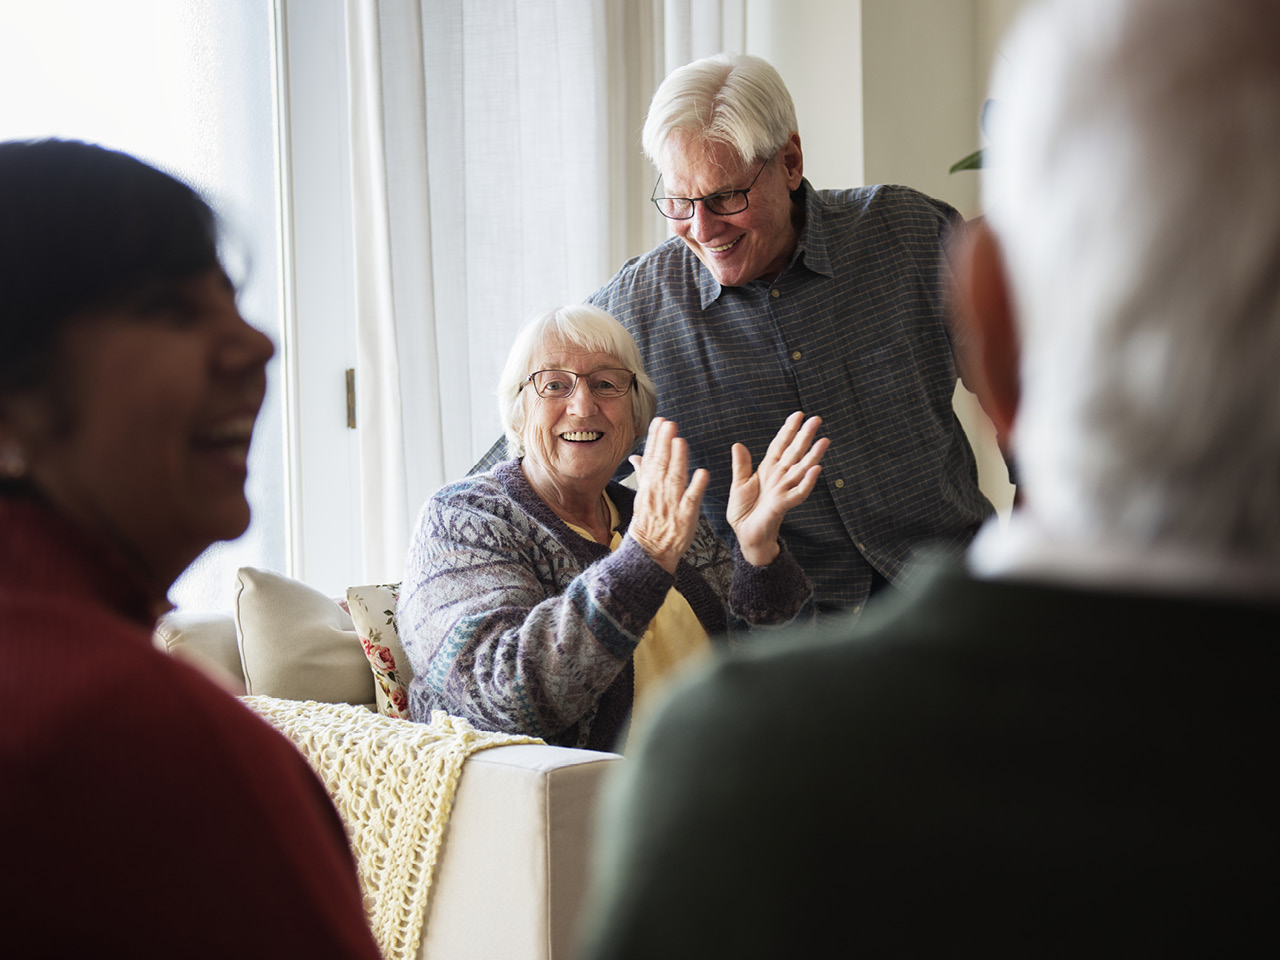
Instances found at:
x=508 y=629
x=777 y=595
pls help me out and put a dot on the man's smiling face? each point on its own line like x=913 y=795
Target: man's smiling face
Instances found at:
x=743 y=246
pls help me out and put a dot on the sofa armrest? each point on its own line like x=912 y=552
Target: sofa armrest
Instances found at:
x=512 y=874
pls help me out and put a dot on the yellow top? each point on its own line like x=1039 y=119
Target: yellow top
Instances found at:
x=674 y=639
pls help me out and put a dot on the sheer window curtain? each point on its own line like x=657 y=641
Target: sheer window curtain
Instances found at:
x=497 y=171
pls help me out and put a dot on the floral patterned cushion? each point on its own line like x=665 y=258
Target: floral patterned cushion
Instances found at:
x=373 y=610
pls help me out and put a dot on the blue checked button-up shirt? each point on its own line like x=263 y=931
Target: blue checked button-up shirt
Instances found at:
x=854 y=329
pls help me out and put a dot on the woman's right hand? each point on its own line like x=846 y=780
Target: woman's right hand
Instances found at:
x=665 y=517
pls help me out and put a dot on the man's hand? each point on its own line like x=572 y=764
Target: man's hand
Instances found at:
x=665 y=517
x=785 y=478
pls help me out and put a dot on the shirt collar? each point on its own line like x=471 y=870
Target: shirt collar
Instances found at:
x=708 y=286
x=1028 y=549
x=814 y=235
x=812 y=245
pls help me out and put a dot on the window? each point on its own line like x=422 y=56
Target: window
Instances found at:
x=188 y=87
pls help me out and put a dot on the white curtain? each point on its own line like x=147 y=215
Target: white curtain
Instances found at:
x=497 y=168
x=693 y=29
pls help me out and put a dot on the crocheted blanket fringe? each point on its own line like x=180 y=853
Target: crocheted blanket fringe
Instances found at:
x=393 y=783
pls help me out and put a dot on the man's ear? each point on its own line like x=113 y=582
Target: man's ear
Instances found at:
x=986 y=308
x=793 y=161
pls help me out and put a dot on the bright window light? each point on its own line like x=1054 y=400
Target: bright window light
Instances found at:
x=188 y=87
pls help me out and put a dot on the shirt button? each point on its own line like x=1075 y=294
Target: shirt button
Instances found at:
x=775 y=293
x=796 y=355
x=839 y=484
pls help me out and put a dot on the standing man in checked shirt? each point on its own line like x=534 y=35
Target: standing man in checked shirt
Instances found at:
x=774 y=297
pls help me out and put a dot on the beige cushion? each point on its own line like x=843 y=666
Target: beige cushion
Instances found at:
x=296 y=643
x=205 y=640
x=373 y=611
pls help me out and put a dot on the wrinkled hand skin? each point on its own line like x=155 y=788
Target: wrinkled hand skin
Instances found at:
x=665 y=516
x=785 y=478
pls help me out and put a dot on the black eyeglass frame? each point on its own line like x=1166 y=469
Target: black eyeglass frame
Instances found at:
x=630 y=384
x=706 y=201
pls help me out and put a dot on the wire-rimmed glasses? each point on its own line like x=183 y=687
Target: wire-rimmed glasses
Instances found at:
x=724 y=204
x=560 y=384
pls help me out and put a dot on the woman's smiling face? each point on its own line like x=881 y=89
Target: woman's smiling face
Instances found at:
x=578 y=443
x=142 y=433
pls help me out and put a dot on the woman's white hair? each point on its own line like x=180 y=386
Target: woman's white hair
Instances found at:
x=733 y=99
x=580 y=325
x=1131 y=178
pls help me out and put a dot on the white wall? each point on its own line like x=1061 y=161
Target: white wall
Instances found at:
x=925 y=67
x=816 y=47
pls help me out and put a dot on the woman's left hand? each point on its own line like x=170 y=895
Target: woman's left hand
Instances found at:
x=785 y=478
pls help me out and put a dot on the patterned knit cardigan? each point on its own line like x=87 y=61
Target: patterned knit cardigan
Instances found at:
x=516 y=623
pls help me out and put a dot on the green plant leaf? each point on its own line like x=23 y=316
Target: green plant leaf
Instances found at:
x=972 y=162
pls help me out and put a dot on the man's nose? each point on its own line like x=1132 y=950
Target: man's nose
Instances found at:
x=704 y=224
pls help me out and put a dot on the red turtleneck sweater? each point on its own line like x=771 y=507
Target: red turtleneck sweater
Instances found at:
x=143 y=811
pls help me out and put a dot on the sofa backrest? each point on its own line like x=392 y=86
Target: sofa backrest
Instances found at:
x=284 y=639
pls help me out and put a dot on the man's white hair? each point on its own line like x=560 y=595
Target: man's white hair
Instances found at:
x=580 y=325
x=735 y=99
x=1133 y=181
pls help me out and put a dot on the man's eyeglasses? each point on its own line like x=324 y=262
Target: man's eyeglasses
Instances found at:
x=560 y=384
x=721 y=204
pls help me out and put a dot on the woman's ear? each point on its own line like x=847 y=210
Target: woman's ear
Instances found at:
x=29 y=422
x=13 y=447
x=13 y=460
x=985 y=308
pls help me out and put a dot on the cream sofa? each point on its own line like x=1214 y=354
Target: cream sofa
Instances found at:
x=511 y=873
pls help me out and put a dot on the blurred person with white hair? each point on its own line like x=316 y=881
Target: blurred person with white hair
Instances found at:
x=1058 y=747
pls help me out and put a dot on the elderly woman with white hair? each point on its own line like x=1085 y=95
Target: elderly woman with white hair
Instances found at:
x=541 y=597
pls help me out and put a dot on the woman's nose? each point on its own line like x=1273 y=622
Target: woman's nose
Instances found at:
x=583 y=402
x=244 y=348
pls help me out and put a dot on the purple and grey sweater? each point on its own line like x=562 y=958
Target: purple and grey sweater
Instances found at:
x=516 y=623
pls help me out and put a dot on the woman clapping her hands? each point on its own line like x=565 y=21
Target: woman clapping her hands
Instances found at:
x=542 y=598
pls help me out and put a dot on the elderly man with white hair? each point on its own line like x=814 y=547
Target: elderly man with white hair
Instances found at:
x=774 y=296
x=1059 y=747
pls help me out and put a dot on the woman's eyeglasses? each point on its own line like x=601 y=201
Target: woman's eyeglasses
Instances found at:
x=560 y=384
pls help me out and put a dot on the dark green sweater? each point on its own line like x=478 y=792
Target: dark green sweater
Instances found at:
x=978 y=768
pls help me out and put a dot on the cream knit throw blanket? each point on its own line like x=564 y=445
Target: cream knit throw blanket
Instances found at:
x=393 y=783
